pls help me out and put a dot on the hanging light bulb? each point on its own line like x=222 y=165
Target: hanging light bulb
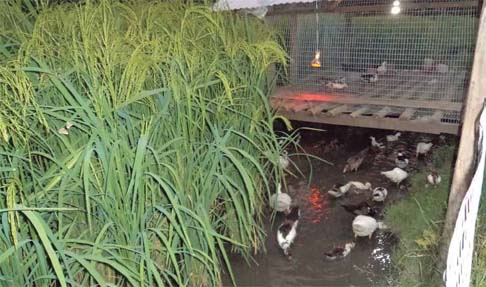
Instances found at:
x=316 y=61
x=395 y=10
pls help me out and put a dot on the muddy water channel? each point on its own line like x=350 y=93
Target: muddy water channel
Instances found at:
x=324 y=223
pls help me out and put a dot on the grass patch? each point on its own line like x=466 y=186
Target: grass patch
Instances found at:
x=417 y=220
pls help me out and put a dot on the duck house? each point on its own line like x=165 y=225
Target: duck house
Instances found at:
x=401 y=65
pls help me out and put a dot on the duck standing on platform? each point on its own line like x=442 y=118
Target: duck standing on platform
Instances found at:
x=287 y=231
x=396 y=175
x=369 y=77
x=339 y=252
x=338 y=84
x=382 y=69
x=401 y=160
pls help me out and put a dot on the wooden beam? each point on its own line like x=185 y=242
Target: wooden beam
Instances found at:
x=406 y=6
x=466 y=153
x=372 y=122
x=381 y=101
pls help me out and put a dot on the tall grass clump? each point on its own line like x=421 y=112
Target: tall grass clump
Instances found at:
x=136 y=143
x=417 y=221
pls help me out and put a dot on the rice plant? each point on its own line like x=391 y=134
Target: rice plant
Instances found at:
x=136 y=143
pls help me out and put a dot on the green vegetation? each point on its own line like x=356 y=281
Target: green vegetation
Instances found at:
x=171 y=152
x=417 y=221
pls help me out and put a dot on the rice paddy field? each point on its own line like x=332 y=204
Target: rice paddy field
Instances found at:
x=136 y=142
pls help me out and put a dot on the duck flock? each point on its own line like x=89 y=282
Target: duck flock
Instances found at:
x=398 y=156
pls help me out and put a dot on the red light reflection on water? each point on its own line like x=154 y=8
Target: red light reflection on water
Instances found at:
x=319 y=204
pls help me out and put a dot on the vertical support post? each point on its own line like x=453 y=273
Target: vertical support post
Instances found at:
x=466 y=154
x=294 y=48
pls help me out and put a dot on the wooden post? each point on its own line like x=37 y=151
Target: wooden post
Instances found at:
x=466 y=155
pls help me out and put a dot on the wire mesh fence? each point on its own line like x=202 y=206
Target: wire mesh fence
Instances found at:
x=422 y=52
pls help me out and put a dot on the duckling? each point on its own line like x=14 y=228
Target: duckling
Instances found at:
x=287 y=231
x=376 y=144
x=283 y=160
x=339 y=189
x=423 y=148
x=396 y=175
x=434 y=178
x=354 y=162
x=369 y=77
x=362 y=208
x=364 y=225
x=280 y=201
x=339 y=252
x=379 y=194
x=401 y=160
x=393 y=138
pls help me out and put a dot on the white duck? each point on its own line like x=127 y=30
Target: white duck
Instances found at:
x=339 y=252
x=376 y=144
x=401 y=160
x=360 y=185
x=382 y=68
x=339 y=190
x=423 y=148
x=287 y=231
x=283 y=160
x=364 y=225
x=337 y=85
x=379 y=194
x=434 y=178
x=393 y=138
x=280 y=201
x=396 y=175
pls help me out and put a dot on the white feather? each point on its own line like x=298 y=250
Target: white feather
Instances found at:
x=393 y=138
x=396 y=175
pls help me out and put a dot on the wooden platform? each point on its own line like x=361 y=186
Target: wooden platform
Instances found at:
x=408 y=104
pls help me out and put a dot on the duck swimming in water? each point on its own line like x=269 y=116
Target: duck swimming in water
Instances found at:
x=339 y=252
x=287 y=231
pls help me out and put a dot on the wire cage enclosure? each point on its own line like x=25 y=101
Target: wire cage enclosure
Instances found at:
x=404 y=69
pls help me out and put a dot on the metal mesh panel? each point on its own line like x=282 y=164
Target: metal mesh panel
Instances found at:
x=428 y=49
